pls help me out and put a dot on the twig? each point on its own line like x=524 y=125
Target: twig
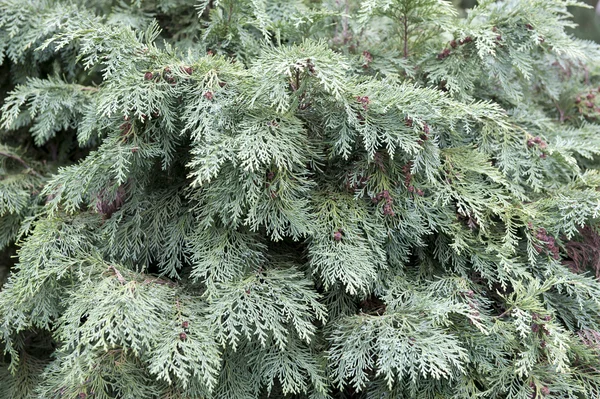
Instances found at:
x=505 y=313
x=345 y=34
x=21 y=161
x=560 y=111
x=120 y=277
x=88 y=88
x=405 y=20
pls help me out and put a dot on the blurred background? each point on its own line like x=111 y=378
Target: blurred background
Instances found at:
x=588 y=19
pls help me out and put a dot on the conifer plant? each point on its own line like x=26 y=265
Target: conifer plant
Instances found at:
x=240 y=199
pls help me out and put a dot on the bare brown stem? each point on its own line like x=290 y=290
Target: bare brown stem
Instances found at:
x=405 y=22
x=345 y=35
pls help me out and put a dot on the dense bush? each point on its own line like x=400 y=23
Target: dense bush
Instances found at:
x=337 y=199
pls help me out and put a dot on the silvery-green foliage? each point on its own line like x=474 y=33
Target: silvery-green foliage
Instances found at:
x=297 y=199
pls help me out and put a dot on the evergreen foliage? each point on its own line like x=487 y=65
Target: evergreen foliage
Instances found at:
x=300 y=199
